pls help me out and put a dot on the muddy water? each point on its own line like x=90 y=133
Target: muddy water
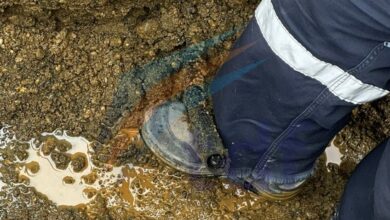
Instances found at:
x=123 y=186
x=333 y=154
x=67 y=187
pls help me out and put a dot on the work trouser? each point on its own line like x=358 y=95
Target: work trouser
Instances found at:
x=367 y=194
x=292 y=80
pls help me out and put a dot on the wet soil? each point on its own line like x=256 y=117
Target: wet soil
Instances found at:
x=93 y=68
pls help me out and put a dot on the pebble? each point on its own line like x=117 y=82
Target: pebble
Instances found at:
x=40 y=54
x=116 y=42
x=18 y=59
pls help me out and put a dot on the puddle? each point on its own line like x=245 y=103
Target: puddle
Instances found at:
x=65 y=186
x=131 y=188
x=72 y=186
x=333 y=154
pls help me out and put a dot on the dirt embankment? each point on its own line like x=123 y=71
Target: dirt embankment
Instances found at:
x=60 y=61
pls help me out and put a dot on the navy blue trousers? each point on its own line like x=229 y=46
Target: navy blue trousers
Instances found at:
x=367 y=194
x=292 y=80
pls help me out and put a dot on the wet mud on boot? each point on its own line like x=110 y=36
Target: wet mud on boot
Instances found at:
x=276 y=192
x=182 y=133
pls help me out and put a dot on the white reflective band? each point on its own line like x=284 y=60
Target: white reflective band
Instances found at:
x=286 y=47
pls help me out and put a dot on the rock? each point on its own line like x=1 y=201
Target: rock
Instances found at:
x=60 y=159
x=79 y=162
x=69 y=180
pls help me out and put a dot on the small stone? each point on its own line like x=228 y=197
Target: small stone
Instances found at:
x=33 y=167
x=116 y=42
x=87 y=113
x=90 y=193
x=79 y=162
x=57 y=68
x=117 y=56
x=68 y=180
x=61 y=160
x=22 y=155
x=39 y=54
x=73 y=35
x=48 y=146
x=191 y=10
x=18 y=59
x=63 y=145
x=148 y=28
x=90 y=178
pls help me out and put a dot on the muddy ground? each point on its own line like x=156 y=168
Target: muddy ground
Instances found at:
x=93 y=68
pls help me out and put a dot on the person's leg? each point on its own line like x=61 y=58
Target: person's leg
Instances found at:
x=367 y=194
x=292 y=79
x=311 y=63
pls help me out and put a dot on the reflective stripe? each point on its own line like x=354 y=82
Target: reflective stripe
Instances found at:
x=286 y=47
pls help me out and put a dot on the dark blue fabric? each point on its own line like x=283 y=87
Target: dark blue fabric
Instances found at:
x=254 y=109
x=367 y=194
x=276 y=121
x=341 y=32
x=377 y=70
x=382 y=186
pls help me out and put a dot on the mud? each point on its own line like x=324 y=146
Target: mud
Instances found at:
x=93 y=68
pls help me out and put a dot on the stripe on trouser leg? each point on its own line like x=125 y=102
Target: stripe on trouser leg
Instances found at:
x=342 y=84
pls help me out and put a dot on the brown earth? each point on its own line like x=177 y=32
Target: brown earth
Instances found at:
x=61 y=64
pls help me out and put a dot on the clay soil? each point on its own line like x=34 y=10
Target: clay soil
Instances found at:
x=93 y=67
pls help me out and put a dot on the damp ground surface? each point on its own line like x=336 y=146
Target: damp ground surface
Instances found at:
x=92 y=69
